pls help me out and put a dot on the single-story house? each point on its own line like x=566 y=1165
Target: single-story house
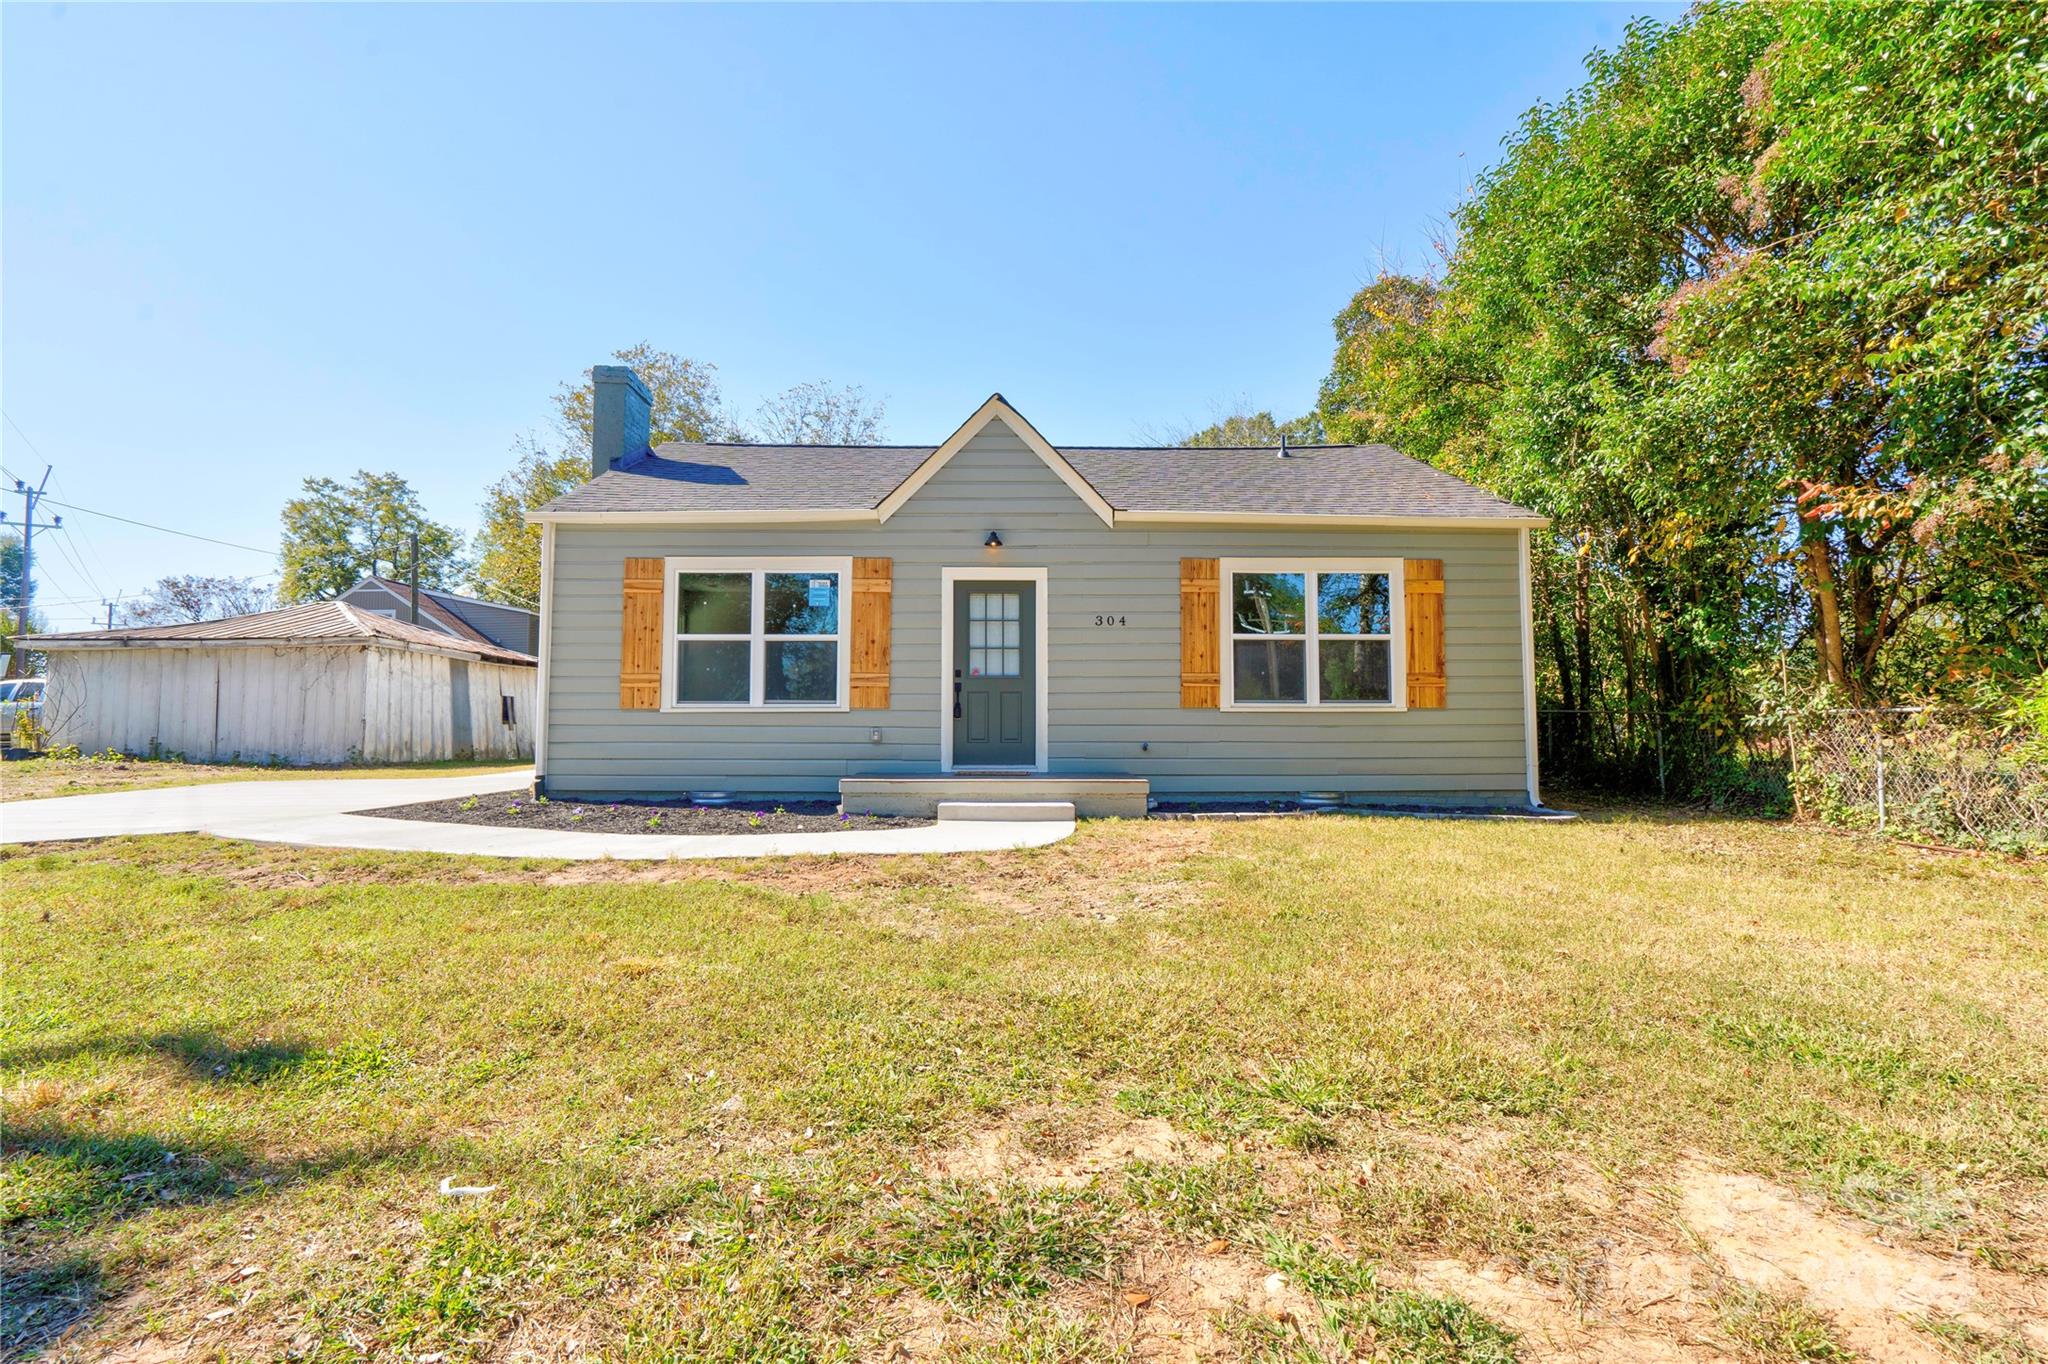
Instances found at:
x=325 y=682
x=1000 y=618
x=491 y=622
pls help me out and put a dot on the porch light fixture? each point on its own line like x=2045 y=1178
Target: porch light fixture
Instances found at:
x=994 y=541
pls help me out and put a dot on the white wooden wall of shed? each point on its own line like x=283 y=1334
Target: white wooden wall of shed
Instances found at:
x=410 y=701
x=298 y=705
x=253 y=705
x=488 y=682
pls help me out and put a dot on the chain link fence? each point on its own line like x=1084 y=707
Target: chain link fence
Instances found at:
x=1946 y=775
x=1952 y=776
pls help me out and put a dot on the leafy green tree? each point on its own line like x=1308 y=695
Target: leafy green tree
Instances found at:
x=11 y=565
x=1755 y=316
x=336 y=534
x=10 y=630
x=687 y=404
x=1881 y=348
x=1247 y=428
x=507 y=548
x=1532 y=366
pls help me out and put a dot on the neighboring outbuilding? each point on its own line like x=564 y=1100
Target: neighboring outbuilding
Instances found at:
x=490 y=622
x=325 y=682
x=1000 y=619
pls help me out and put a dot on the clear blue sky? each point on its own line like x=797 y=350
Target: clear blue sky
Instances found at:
x=242 y=245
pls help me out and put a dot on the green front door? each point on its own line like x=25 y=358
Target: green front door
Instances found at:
x=995 y=674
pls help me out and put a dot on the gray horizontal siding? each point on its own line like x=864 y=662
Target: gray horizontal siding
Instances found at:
x=1111 y=689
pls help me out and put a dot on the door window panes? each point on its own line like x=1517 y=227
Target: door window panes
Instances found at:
x=995 y=634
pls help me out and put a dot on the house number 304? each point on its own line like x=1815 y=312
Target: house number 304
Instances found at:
x=1109 y=622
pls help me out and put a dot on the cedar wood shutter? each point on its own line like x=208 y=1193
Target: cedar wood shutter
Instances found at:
x=640 y=636
x=1424 y=599
x=1201 y=669
x=873 y=594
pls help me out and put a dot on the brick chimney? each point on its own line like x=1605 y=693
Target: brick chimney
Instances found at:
x=620 y=411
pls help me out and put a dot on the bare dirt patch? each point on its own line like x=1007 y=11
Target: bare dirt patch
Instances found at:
x=1017 y=1150
x=1176 y=1301
x=1766 y=1237
x=1654 y=1308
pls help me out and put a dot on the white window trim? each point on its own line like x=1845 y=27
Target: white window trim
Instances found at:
x=1043 y=616
x=757 y=640
x=1397 y=635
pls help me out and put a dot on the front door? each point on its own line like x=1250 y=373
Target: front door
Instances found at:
x=995 y=674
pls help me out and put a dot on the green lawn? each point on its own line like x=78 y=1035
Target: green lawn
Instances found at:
x=1285 y=1090
x=35 y=778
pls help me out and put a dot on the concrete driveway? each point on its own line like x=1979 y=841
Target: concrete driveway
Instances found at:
x=315 y=813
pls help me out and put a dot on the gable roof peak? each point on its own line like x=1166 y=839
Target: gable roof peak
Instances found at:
x=995 y=406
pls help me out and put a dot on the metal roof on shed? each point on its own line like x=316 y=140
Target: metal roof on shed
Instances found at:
x=318 y=623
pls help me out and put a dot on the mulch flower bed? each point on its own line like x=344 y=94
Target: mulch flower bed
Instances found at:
x=509 y=811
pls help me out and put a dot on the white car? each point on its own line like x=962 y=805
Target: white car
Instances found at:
x=19 y=695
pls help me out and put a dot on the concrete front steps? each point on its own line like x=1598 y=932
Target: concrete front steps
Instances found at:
x=928 y=797
x=1011 y=811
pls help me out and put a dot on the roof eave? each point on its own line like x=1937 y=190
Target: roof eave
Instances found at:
x=1516 y=521
x=704 y=517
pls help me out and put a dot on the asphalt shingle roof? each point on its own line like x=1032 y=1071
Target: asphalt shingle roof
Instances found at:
x=680 y=477
x=1318 y=480
x=313 y=621
x=1314 y=480
x=432 y=608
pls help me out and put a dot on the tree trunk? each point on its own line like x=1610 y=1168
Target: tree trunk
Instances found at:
x=1625 y=640
x=1828 y=629
x=1566 y=720
x=1582 y=621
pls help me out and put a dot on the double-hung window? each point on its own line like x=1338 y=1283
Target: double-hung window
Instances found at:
x=1312 y=632
x=757 y=634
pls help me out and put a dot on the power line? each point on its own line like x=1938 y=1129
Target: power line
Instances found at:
x=127 y=520
x=86 y=546
x=72 y=558
x=23 y=434
x=85 y=543
x=167 y=530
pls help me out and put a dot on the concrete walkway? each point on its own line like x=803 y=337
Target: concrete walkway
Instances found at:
x=315 y=814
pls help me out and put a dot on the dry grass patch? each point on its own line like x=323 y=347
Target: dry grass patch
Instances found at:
x=1461 y=1087
x=41 y=778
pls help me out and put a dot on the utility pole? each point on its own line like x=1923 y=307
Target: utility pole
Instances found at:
x=18 y=661
x=413 y=540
